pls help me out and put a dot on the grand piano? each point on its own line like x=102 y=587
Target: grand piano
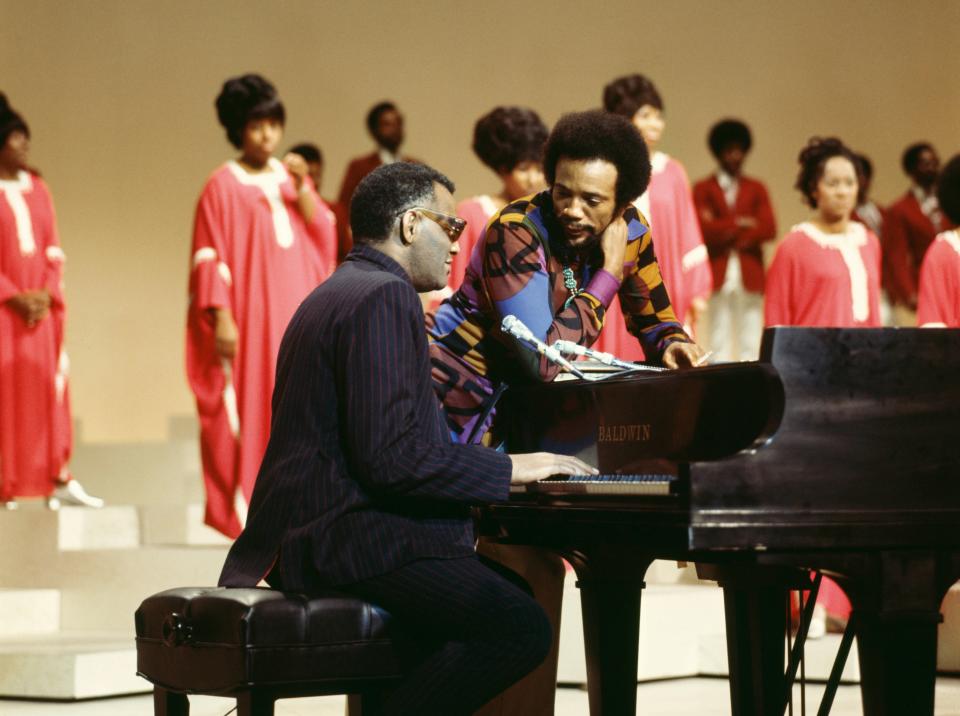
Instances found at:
x=838 y=451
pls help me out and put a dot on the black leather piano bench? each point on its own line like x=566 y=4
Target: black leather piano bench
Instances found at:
x=259 y=645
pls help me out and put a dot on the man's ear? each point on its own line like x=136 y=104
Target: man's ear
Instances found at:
x=408 y=227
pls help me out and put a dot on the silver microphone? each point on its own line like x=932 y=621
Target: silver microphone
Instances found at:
x=571 y=348
x=516 y=328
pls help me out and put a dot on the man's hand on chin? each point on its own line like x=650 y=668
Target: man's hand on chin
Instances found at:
x=682 y=355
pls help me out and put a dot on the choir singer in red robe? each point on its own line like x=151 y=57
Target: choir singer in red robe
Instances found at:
x=938 y=304
x=668 y=205
x=35 y=431
x=827 y=273
x=262 y=240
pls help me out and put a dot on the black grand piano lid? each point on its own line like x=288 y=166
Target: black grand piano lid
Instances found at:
x=696 y=414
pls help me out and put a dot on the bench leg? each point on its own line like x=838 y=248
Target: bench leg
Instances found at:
x=255 y=703
x=169 y=703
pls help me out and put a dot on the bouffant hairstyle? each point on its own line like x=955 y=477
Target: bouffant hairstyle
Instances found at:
x=507 y=136
x=387 y=192
x=866 y=166
x=813 y=158
x=373 y=116
x=626 y=95
x=911 y=155
x=10 y=121
x=948 y=189
x=728 y=132
x=600 y=135
x=309 y=152
x=244 y=99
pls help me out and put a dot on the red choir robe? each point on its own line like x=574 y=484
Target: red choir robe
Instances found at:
x=476 y=211
x=721 y=234
x=254 y=254
x=938 y=302
x=907 y=234
x=680 y=251
x=35 y=429
x=826 y=280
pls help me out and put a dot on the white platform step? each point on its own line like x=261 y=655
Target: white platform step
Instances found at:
x=41 y=533
x=29 y=612
x=178 y=525
x=148 y=473
x=79 y=665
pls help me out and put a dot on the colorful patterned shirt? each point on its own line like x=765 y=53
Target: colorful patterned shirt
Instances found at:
x=518 y=268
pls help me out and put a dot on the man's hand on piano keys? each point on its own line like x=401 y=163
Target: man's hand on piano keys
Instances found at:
x=534 y=466
x=683 y=355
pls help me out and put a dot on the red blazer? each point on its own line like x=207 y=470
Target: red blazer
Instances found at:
x=907 y=234
x=720 y=232
x=357 y=170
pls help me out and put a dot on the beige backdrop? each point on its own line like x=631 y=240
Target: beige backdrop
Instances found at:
x=119 y=96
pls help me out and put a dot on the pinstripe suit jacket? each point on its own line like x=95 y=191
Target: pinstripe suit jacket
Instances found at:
x=360 y=476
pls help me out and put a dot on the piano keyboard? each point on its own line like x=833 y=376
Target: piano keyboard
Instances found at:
x=640 y=484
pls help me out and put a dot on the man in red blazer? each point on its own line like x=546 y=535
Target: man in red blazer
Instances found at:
x=736 y=219
x=909 y=228
x=385 y=124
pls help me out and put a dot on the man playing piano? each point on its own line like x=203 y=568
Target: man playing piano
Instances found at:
x=360 y=487
x=555 y=260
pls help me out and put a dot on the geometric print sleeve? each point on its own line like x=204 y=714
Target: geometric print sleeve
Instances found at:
x=517 y=281
x=643 y=296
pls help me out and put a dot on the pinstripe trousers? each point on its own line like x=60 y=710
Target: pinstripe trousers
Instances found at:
x=481 y=631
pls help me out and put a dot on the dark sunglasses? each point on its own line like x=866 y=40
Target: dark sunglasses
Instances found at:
x=453 y=226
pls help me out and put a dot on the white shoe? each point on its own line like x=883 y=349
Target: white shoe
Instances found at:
x=818 y=623
x=72 y=493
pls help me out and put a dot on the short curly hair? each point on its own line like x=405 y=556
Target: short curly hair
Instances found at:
x=508 y=136
x=373 y=116
x=385 y=193
x=626 y=95
x=813 y=158
x=911 y=156
x=244 y=99
x=727 y=132
x=596 y=134
x=10 y=121
x=309 y=151
x=948 y=189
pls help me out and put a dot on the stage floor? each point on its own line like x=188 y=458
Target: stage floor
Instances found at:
x=677 y=697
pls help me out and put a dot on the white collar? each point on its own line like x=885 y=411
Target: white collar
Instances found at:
x=952 y=238
x=387 y=157
x=23 y=182
x=276 y=176
x=726 y=181
x=855 y=235
x=658 y=162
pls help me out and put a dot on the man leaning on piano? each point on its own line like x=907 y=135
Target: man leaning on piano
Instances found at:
x=555 y=260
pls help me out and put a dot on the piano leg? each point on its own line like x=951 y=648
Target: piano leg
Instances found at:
x=896 y=599
x=756 y=627
x=755 y=605
x=898 y=663
x=610 y=583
